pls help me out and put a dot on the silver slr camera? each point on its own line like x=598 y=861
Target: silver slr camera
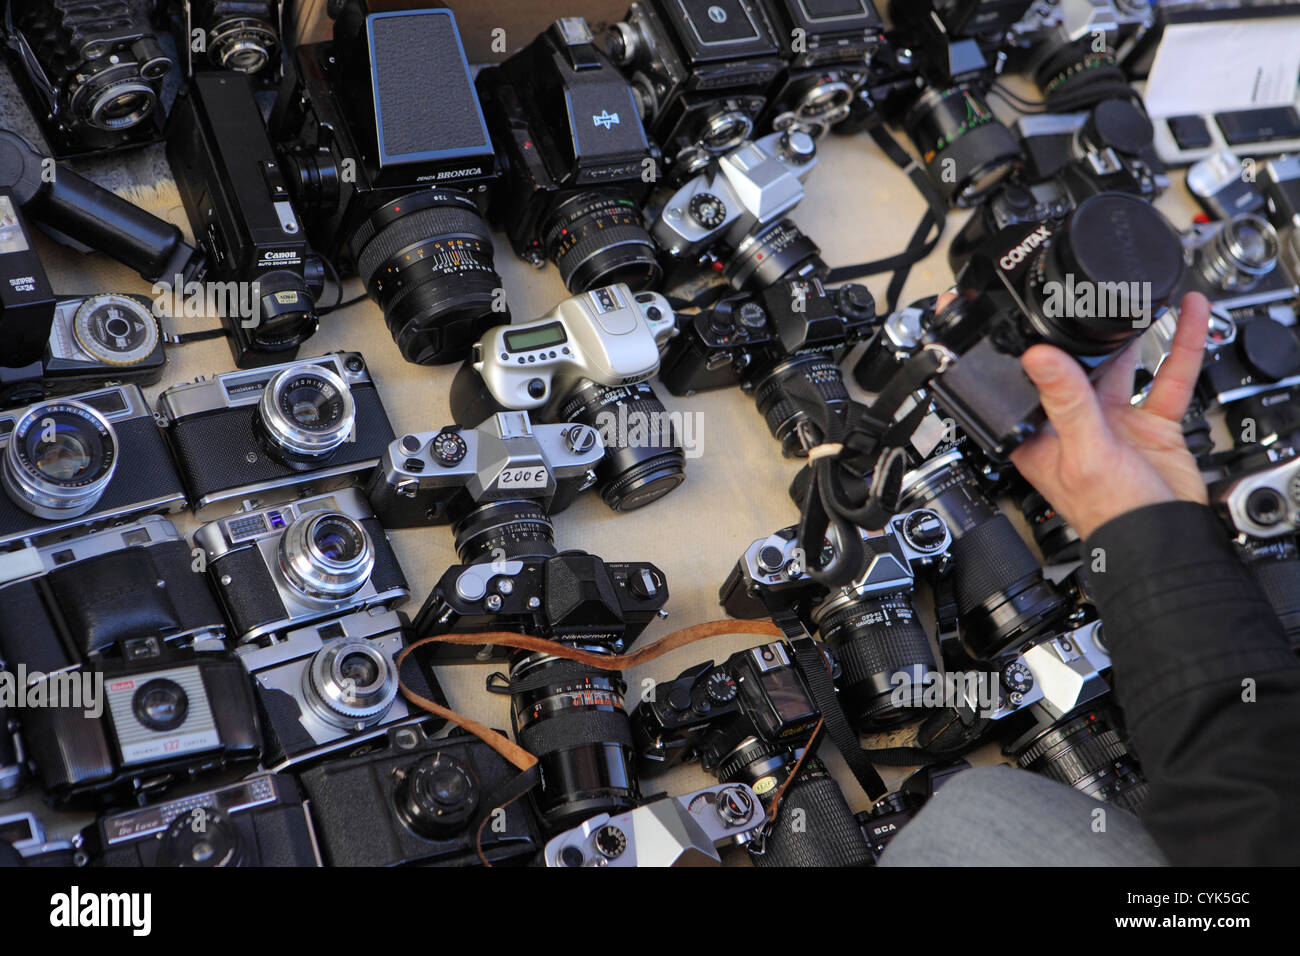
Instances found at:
x=1264 y=503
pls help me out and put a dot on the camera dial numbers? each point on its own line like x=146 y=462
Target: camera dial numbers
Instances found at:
x=707 y=210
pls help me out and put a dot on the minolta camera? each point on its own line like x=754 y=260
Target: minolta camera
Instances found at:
x=700 y=72
x=870 y=625
x=578 y=164
x=280 y=568
x=89 y=458
x=66 y=602
x=317 y=422
x=673 y=831
x=794 y=329
x=388 y=156
x=260 y=821
x=421 y=798
x=506 y=466
x=240 y=36
x=92 y=71
x=589 y=362
x=165 y=714
x=237 y=200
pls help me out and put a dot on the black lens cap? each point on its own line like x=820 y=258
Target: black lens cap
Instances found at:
x=1117 y=237
x=1120 y=124
x=1270 y=348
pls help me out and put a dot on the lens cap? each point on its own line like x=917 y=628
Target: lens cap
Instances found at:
x=1116 y=237
x=1120 y=124
x=1270 y=348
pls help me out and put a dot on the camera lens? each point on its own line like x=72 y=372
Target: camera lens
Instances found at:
x=326 y=555
x=787 y=423
x=771 y=253
x=724 y=130
x=1084 y=750
x=202 y=836
x=967 y=150
x=571 y=717
x=597 y=239
x=241 y=44
x=117 y=103
x=60 y=459
x=1068 y=69
x=287 y=315
x=507 y=530
x=160 y=704
x=1275 y=565
x=427 y=259
x=305 y=412
x=643 y=458
x=437 y=797
x=1056 y=539
x=350 y=684
x=1243 y=251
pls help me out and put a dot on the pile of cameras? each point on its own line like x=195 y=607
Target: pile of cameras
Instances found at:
x=251 y=712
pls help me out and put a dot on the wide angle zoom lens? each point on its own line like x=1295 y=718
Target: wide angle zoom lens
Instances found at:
x=60 y=459
x=427 y=260
x=597 y=239
x=1084 y=750
x=787 y=423
x=506 y=530
x=967 y=150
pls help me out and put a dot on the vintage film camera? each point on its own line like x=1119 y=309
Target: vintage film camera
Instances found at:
x=588 y=362
x=577 y=161
x=316 y=422
x=241 y=36
x=23 y=835
x=388 y=192
x=894 y=810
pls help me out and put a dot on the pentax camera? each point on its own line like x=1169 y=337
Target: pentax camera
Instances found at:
x=587 y=363
x=90 y=458
x=260 y=821
x=673 y=831
x=91 y=70
x=387 y=154
x=577 y=161
x=280 y=568
x=421 y=798
x=700 y=72
x=503 y=477
x=165 y=714
x=316 y=422
x=870 y=625
x=796 y=329
x=238 y=204
x=733 y=213
x=241 y=36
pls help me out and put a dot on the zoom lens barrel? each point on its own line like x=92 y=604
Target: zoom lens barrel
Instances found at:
x=967 y=150
x=1084 y=750
x=787 y=423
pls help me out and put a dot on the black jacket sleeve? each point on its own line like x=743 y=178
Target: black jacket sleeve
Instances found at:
x=1209 y=687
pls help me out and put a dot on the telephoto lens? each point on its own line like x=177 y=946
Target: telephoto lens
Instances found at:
x=967 y=150
x=1086 y=750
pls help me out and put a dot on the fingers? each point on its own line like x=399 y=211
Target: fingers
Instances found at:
x=1115 y=387
x=1067 y=396
x=1171 y=392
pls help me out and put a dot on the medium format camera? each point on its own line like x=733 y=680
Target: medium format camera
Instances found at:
x=242 y=36
x=421 y=798
x=71 y=601
x=238 y=204
x=734 y=213
x=280 y=568
x=700 y=72
x=317 y=422
x=577 y=161
x=764 y=342
x=673 y=831
x=748 y=720
x=870 y=625
x=503 y=477
x=260 y=821
x=92 y=457
x=386 y=173
x=167 y=714
x=588 y=363
x=92 y=71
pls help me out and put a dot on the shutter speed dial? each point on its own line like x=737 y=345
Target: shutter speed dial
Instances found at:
x=708 y=210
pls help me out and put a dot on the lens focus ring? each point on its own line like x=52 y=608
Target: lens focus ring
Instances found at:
x=326 y=555
x=350 y=683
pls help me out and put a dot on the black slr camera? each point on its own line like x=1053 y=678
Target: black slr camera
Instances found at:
x=895 y=810
x=92 y=71
x=388 y=155
x=238 y=205
x=577 y=161
x=241 y=36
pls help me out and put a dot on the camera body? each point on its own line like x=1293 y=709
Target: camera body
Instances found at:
x=409 y=820
x=1237 y=263
x=280 y=568
x=25 y=834
x=1251 y=353
x=316 y=422
x=894 y=810
x=237 y=200
x=239 y=36
x=1262 y=502
x=259 y=821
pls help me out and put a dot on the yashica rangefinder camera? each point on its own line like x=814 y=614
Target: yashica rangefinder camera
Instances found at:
x=317 y=422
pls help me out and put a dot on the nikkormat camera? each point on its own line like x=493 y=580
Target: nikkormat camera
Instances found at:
x=317 y=422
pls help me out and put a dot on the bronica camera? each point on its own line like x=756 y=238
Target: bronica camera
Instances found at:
x=588 y=362
x=672 y=831
x=241 y=36
x=421 y=799
x=164 y=714
x=89 y=458
x=870 y=625
x=700 y=71
x=260 y=821
x=238 y=204
x=748 y=720
x=577 y=161
x=91 y=70
x=316 y=422
x=734 y=213
x=387 y=153
x=279 y=568
x=796 y=329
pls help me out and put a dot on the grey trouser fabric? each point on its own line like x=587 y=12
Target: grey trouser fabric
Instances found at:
x=1001 y=816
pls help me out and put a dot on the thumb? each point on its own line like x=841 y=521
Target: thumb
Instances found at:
x=1067 y=395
